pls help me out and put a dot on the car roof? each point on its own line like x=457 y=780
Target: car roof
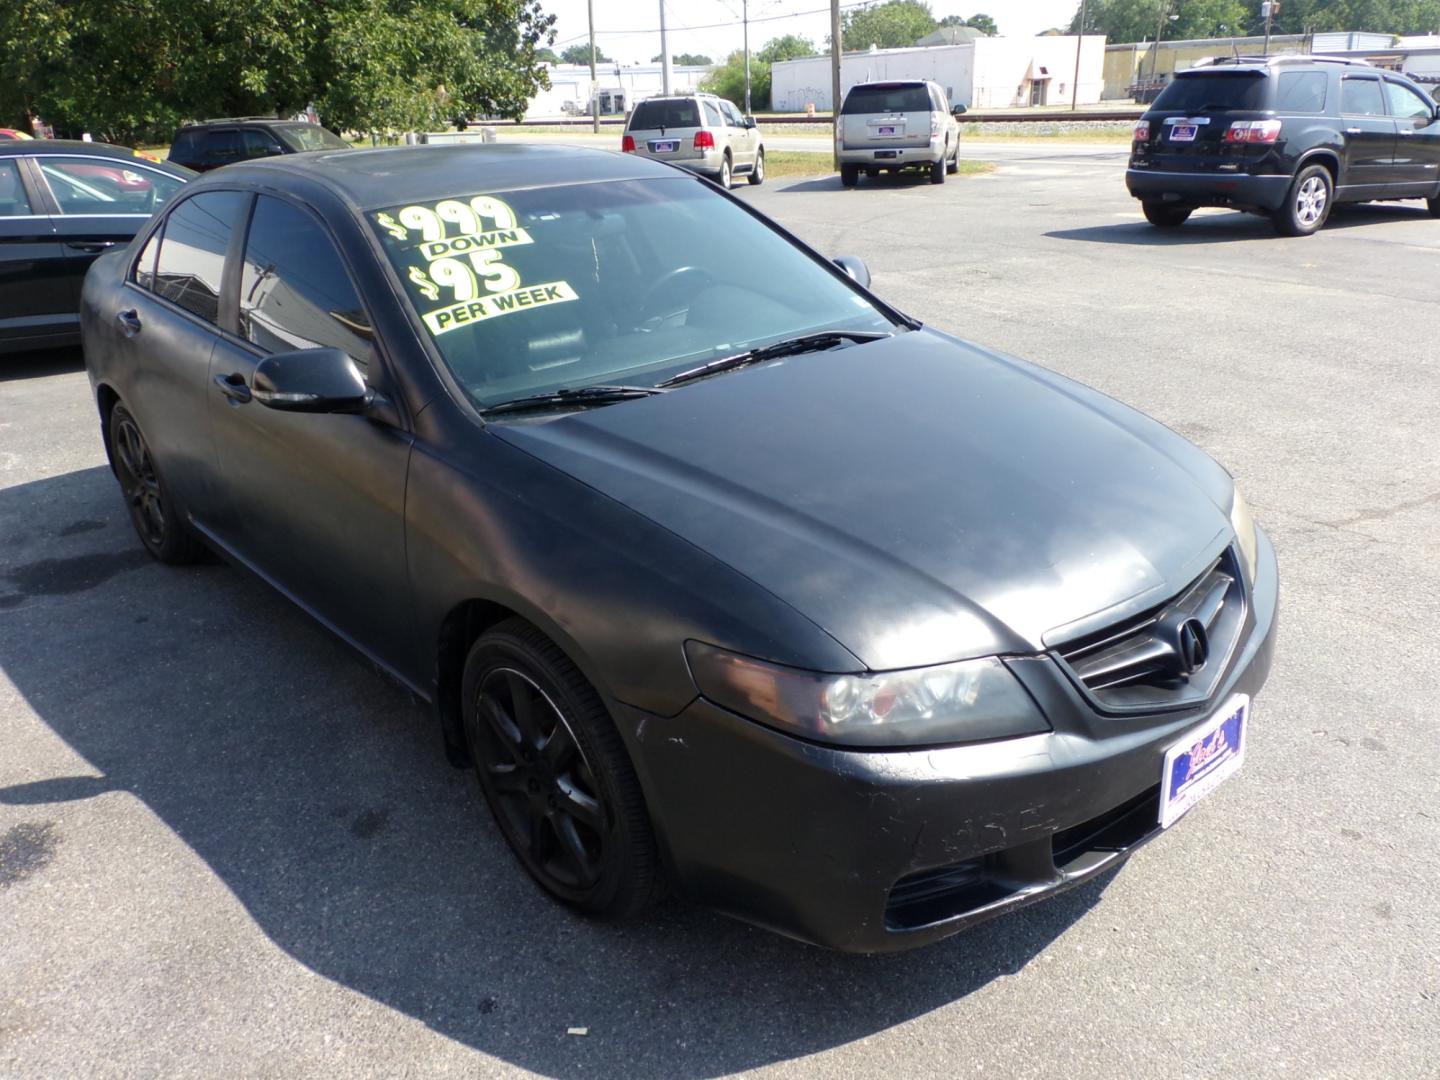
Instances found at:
x=368 y=179
x=246 y=121
x=42 y=147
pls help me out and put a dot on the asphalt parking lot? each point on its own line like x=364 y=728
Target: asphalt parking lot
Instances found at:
x=227 y=847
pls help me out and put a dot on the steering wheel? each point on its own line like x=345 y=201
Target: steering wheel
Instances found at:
x=667 y=283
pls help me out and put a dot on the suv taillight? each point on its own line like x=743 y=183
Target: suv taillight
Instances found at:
x=704 y=140
x=627 y=144
x=1142 y=131
x=1253 y=131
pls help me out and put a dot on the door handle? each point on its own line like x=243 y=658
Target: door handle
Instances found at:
x=1407 y=133
x=129 y=321
x=233 y=387
x=94 y=247
x=1352 y=131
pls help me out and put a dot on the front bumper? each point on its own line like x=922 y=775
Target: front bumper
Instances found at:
x=1240 y=190
x=895 y=157
x=878 y=851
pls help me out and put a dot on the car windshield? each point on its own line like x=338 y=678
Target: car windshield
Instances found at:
x=1230 y=90
x=665 y=114
x=886 y=99
x=525 y=292
x=311 y=137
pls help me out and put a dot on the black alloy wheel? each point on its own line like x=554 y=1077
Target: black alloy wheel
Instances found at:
x=556 y=775
x=1166 y=215
x=152 y=512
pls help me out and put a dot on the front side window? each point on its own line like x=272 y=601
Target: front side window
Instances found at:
x=294 y=291
x=222 y=147
x=1406 y=103
x=107 y=185
x=13 y=200
x=732 y=114
x=192 y=252
x=528 y=291
x=145 y=264
x=1361 y=97
x=256 y=143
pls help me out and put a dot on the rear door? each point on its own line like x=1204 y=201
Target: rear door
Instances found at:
x=1417 y=137
x=315 y=502
x=35 y=298
x=664 y=129
x=1369 y=132
x=102 y=202
x=882 y=116
x=221 y=146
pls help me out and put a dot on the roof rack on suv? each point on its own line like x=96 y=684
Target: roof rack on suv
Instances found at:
x=1269 y=61
x=234 y=120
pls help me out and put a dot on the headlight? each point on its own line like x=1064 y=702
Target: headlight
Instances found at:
x=1244 y=526
x=948 y=703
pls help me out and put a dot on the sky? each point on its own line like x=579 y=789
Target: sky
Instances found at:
x=713 y=27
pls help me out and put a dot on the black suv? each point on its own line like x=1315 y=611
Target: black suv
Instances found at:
x=213 y=143
x=1286 y=136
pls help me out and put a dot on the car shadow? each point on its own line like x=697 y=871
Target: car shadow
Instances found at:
x=1230 y=226
x=907 y=179
x=317 y=791
x=41 y=362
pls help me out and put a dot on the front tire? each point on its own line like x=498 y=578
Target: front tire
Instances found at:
x=1166 y=215
x=757 y=174
x=953 y=165
x=152 y=510
x=556 y=774
x=1307 y=204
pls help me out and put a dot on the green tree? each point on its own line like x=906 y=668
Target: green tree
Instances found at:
x=891 y=25
x=685 y=59
x=728 y=81
x=580 y=54
x=984 y=23
x=1124 y=21
x=788 y=47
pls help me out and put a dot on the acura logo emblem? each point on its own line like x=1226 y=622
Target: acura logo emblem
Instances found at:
x=1192 y=647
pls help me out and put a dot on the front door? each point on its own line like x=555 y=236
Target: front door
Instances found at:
x=1369 y=165
x=1417 y=138
x=316 y=501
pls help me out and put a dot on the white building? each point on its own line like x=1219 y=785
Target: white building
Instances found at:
x=569 y=91
x=987 y=73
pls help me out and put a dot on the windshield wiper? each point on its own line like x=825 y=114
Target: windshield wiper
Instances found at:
x=804 y=343
x=572 y=395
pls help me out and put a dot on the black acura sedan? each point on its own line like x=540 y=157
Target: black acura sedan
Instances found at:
x=726 y=576
x=62 y=204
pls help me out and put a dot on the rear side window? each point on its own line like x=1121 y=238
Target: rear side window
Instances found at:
x=1361 y=97
x=13 y=200
x=665 y=114
x=1406 y=103
x=186 y=145
x=1301 y=91
x=192 y=252
x=886 y=99
x=107 y=186
x=294 y=292
x=1201 y=93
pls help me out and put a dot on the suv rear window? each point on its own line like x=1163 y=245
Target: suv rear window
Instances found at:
x=1200 y=92
x=665 y=114
x=886 y=99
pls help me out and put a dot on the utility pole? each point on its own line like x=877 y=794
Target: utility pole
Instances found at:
x=1159 y=29
x=1268 y=10
x=664 y=54
x=745 y=20
x=1079 y=40
x=835 y=80
x=594 y=84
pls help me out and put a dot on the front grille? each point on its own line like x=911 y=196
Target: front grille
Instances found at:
x=1142 y=663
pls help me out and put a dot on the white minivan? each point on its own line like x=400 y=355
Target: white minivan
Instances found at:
x=889 y=126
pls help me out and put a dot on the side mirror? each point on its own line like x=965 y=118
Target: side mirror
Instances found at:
x=856 y=268
x=958 y=111
x=749 y=121
x=310 y=381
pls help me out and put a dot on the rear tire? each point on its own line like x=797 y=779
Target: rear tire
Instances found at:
x=757 y=174
x=556 y=774
x=938 y=171
x=1307 y=204
x=725 y=177
x=157 y=522
x=849 y=175
x=1433 y=205
x=1166 y=215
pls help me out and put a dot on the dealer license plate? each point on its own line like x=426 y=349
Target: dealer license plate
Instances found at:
x=887 y=130
x=1203 y=759
x=666 y=147
x=1183 y=133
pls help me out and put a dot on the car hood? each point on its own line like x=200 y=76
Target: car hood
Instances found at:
x=920 y=499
